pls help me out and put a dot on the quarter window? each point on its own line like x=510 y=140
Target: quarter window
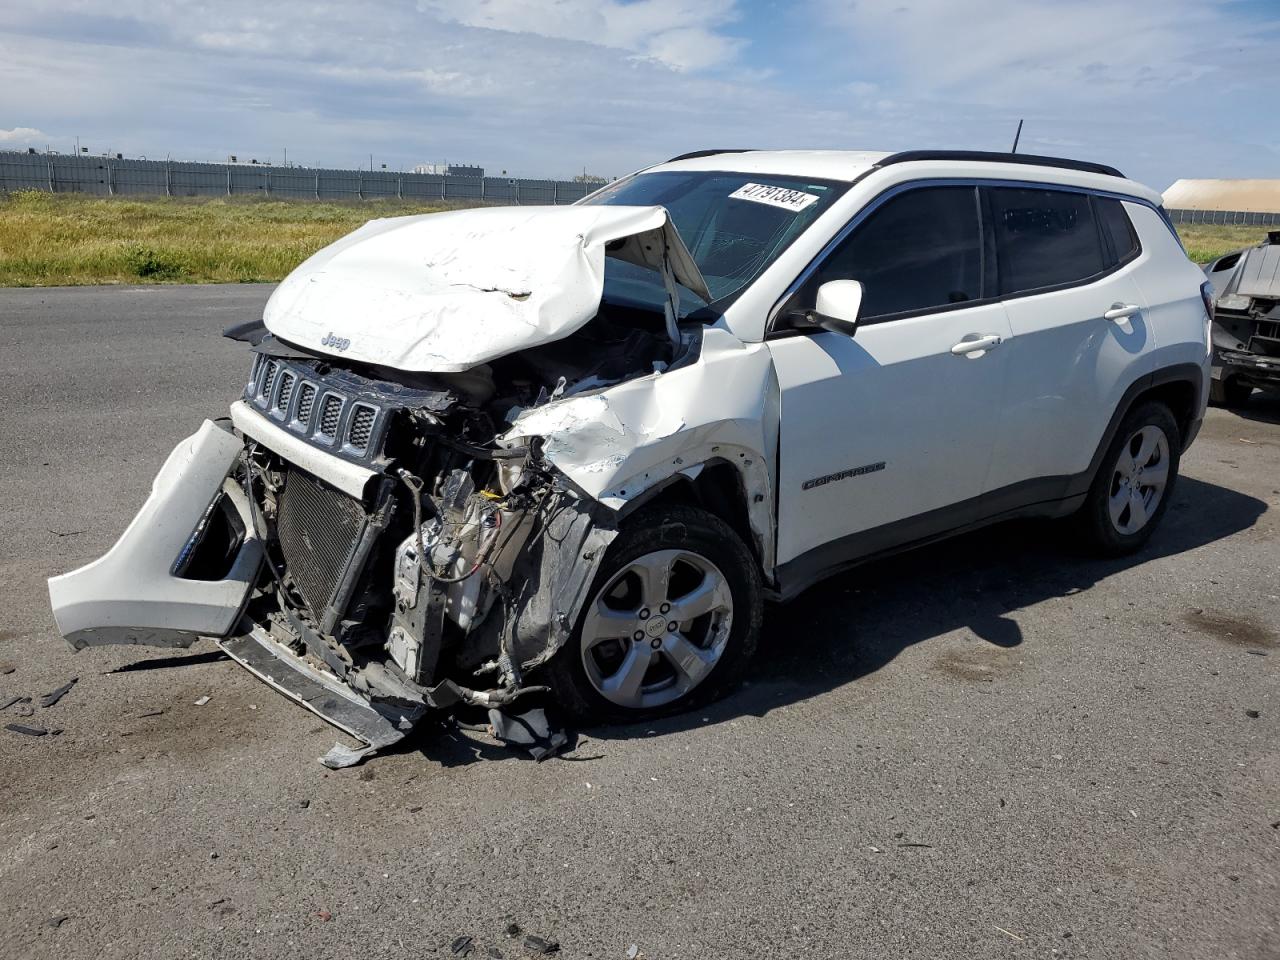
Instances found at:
x=919 y=250
x=1044 y=238
x=1117 y=228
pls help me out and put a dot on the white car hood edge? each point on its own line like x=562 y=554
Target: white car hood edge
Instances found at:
x=443 y=292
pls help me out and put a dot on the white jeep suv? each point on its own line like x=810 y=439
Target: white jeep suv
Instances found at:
x=488 y=452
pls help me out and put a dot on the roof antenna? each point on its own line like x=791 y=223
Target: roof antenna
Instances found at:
x=1016 y=137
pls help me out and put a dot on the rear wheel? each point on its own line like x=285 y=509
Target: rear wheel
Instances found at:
x=1134 y=483
x=672 y=620
x=1229 y=392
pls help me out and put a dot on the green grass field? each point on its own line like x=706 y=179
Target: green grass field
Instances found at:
x=1205 y=243
x=54 y=239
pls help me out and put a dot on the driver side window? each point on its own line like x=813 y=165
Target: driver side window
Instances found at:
x=919 y=250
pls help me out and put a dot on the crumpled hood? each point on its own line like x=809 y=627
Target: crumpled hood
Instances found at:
x=443 y=292
x=1259 y=272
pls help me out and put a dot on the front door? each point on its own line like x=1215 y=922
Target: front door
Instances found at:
x=884 y=433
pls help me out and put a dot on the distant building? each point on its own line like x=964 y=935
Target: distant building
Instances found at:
x=1224 y=201
x=449 y=170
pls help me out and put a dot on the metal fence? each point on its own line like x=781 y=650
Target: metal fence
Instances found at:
x=103 y=176
x=1226 y=218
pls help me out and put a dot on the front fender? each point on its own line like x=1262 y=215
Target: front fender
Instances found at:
x=618 y=444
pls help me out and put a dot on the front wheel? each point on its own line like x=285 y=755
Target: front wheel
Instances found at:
x=1134 y=483
x=671 y=622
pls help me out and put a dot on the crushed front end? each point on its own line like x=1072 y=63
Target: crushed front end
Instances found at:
x=1246 y=320
x=1246 y=341
x=398 y=561
x=406 y=513
x=378 y=548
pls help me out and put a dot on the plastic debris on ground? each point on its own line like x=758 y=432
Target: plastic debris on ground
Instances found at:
x=536 y=944
x=53 y=696
x=31 y=731
x=530 y=731
x=340 y=756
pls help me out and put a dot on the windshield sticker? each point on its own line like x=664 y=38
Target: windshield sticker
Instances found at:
x=794 y=200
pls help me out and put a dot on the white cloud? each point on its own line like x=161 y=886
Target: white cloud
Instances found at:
x=1003 y=52
x=333 y=84
x=22 y=135
x=543 y=89
x=681 y=34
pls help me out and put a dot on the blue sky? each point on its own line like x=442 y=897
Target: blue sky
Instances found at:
x=1161 y=88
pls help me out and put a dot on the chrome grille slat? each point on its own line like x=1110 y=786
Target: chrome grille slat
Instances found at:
x=306 y=399
x=330 y=412
x=338 y=411
x=287 y=381
x=269 y=378
x=361 y=427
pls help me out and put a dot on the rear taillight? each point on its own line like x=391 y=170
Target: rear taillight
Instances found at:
x=1206 y=294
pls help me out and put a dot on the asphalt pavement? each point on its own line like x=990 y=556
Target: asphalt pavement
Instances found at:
x=992 y=747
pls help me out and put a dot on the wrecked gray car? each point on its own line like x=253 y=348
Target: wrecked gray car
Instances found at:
x=1246 y=322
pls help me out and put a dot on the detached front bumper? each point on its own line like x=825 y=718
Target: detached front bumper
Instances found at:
x=1256 y=369
x=193 y=563
x=321 y=693
x=144 y=590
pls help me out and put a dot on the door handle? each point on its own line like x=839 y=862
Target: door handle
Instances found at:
x=1122 y=311
x=977 y=344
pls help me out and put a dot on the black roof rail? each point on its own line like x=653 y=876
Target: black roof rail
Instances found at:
x=992 y=156
x=710 y=153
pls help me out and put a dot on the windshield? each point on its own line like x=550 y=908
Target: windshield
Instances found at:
x=734 y=224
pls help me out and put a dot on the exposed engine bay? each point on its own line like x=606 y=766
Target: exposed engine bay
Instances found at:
x=1246 y=328
x=445 y=422
x=431 y=586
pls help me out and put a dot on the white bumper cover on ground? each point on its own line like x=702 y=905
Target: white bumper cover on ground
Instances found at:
x=130 y=595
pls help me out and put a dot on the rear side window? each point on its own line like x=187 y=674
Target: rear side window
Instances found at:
x=1117 y=229
x=1044 y=238
x=919 y=250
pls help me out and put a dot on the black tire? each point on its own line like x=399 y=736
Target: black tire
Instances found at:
x=1094 y=518
x=674 y=527
x=1229 y=392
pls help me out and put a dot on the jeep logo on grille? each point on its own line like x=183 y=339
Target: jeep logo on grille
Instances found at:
x=338 y=343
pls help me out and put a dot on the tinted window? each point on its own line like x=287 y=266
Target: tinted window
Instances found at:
x=1044 y=238
x=918 y=250
x=1117 y=228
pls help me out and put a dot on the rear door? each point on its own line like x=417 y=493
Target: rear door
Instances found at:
x=881 y=431
x=1065 y=263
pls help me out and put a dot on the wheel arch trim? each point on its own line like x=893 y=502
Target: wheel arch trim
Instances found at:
x=749 y=515
x=1185 y=373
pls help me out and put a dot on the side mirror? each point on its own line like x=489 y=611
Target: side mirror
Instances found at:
x=836 y=310
x=838 y=304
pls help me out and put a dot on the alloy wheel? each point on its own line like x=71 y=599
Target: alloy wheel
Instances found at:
x=656 y=629
x=1140 y=478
